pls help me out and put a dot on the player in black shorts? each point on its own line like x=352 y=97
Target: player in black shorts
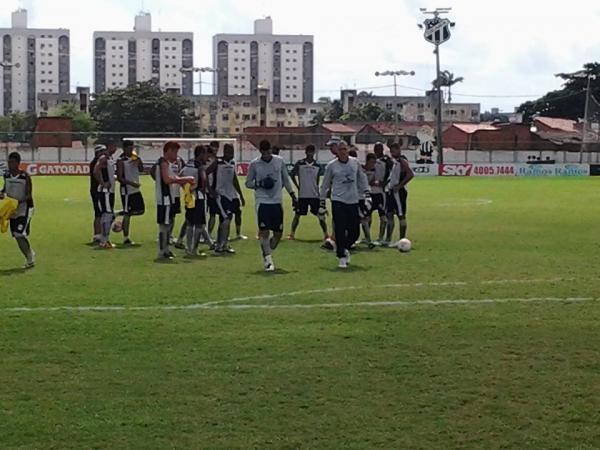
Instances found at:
x=397 y=194
x=305 y=175
x=129 y=167
x=98 y=150
x=18 y=186
x=165 y=211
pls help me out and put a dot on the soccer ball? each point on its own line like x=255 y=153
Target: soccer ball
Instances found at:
x=117 y=226
x=404 y=245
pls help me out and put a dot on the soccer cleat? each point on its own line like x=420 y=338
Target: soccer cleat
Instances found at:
x=371 y=245
x=377 y=243
x=106 y=246
x=348 y=257
x=241 y=237
x=343 y=263
x=128 y=242
x=269 y=266
x=393 y=245
x=329 y=244
x=291 y=237
x=229 y=250
x=30 y=261
x=179 y=245
x=170 y=254
x=165 y=257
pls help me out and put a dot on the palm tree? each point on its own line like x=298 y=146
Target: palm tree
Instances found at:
x=447 y=80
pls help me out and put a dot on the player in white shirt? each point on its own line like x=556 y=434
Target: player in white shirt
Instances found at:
x=267 y=176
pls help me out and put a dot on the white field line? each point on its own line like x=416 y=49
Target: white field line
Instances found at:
x=406 y=303
x=384 y=286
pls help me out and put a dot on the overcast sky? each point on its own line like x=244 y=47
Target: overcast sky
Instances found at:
x=502 y=49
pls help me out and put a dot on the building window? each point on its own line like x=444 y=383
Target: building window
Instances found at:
x=246 y=117
x=313 y=111
x=225 y=105
x=225 y=117
x=246 y=104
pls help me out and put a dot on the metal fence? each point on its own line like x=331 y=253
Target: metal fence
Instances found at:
x=291 y=146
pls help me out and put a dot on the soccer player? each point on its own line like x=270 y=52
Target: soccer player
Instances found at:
x=129 y=167
x=213 y=208
x=380 y=178
x=18 y=186
x=196 y=216
x=98 y=150
x=305 y=176
x=104 y=172
x=344 y=181
x=268 y=176
x=229 y=196
x=176 y=169
x=397 y=196
x=165 y=201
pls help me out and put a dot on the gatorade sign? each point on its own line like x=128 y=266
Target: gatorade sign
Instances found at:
x=53 y=169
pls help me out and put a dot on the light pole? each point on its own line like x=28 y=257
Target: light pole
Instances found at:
x=182 y=125
x=200 y=71
x=437 y=31
x=395 y=74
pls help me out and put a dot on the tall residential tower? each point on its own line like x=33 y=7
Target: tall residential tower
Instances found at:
x=283 y=64
x=122 y=58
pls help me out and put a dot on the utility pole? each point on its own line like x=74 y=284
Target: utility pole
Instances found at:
x=437 y=31
x=395 y=73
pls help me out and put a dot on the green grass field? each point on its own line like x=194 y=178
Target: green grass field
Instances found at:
x=485 y=336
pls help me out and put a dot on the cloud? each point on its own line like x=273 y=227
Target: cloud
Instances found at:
x=500 y=48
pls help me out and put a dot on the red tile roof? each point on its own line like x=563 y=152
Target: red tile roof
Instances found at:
x=565 y=125
x=471 y=128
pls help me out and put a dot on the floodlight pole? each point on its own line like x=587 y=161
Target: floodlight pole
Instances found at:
x=395 y=74
x=439 y=127
x=586 y=117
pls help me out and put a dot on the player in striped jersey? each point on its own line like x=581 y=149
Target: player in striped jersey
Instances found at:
x=165 y=201
x=401 y=174
x=129 y=167
x=305 y=176
x=17 y=185
x=104 y=172
x=382 y=170
x=229 y=196
x=196 y=216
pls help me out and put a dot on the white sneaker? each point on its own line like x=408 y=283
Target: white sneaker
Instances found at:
x=241 y=237
x=30 y=261
x=269 y=266
x=348 y=257
x=393 y=245
x=343 y=264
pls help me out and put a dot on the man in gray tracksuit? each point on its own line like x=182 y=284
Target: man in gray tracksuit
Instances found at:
x=268 y=176
x=344 y=181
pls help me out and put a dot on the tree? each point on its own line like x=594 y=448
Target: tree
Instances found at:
x=83 y=124
x=17 y=127
x=143 y=109
x=332 y=112
x=568 y=102
x=369 y=112
x=448 y=80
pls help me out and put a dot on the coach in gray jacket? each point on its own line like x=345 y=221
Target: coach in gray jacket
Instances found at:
x=342 y=181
